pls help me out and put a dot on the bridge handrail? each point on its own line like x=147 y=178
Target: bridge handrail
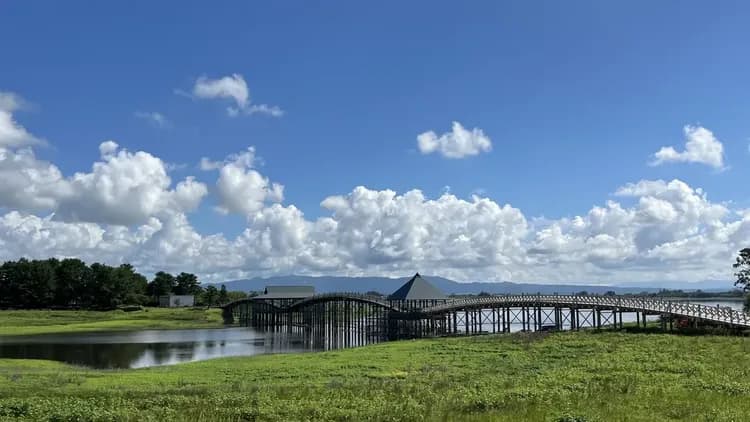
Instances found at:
x=345 y=295
x=658 y=305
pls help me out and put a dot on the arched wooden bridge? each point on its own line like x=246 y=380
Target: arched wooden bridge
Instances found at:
x=369 y=318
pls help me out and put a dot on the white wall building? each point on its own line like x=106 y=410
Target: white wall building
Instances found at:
x=176 y=301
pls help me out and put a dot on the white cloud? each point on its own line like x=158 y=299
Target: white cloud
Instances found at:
x=273 y=111
x=27 y=183
x=701 y=146
x=671 y=232
x=10 y=102
x=123 y=188
x=459 y=143
x=240 y=188
x=126 y=188
x=12 y=134
x=232 y=88
x=127 y=209
x=206 y=164
x=155 y=118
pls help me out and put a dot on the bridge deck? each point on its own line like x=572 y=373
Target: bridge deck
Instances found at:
x=622 y=303
x=629 y=303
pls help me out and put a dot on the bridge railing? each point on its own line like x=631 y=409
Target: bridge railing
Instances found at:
x=656 y=305
x=344 y=295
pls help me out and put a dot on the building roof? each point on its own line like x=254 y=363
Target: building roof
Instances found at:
x=417 y=288
x=287 y=292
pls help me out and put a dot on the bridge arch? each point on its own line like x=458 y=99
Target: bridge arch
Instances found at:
x=342 y=297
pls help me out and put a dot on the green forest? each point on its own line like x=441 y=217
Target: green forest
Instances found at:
x=73 y=284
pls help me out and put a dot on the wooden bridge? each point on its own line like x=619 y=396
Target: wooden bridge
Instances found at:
x=416 y=311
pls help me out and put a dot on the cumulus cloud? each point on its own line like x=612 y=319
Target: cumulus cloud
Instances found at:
x=27 y=183
x=662 y=230
x=672 y=231
x=242 y=189
x=701 y=146
x=127 y=209
x=123 y=188
x=126 y=188
x=233 y=88
x=10 y=102
x=12 y=134
x=459 y=143
x=155 y=118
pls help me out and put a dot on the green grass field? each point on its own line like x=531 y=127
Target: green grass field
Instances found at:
x=47 y=322
x=587 y=376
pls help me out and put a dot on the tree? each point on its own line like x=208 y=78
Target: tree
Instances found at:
x=223 y=296
x=187 y=284
x=742 y=266
x=70 y=282
x=71 y=275
x=131 y=286
x=210 y=295
x=162 y=284
x=234 y=295
x=103 y=289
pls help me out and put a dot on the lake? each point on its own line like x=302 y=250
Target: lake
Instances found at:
x=138 y=349
x=145 y=348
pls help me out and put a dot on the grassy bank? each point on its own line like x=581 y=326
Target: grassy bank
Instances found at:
x=47 y=322
x=589 y=376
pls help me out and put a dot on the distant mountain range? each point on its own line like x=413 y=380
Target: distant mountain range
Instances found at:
x=386 y=285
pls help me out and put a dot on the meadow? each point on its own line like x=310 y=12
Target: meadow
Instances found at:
x=24 y=322
x=568 y=376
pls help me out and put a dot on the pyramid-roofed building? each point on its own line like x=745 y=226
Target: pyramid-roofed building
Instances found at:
x=417 y=288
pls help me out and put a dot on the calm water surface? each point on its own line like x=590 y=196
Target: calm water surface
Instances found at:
x=138 y=349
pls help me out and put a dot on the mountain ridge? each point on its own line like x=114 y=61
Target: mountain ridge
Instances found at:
x=386 y=285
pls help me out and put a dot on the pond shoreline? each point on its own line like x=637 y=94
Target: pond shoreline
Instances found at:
x=33 y=322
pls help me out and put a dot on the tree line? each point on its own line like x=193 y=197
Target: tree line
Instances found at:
x=71 y=283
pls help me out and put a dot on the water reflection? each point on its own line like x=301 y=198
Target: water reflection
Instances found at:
x=140 y=349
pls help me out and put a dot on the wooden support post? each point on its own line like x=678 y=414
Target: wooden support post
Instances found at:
x=538 y=317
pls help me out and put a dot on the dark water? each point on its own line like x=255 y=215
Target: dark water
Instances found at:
x=138 y=349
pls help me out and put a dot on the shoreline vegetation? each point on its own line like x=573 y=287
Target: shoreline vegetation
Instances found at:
x=566 y=376
x=31 y=322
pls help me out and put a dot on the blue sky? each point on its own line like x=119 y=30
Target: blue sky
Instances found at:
x=576 y=99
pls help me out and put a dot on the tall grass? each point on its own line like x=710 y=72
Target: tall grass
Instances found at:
x=45 y=321
x=557 y=377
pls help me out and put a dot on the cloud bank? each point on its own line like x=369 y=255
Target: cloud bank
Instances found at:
x=126 y=208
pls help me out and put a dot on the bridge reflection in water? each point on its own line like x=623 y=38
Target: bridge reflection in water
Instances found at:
x=336 y=320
